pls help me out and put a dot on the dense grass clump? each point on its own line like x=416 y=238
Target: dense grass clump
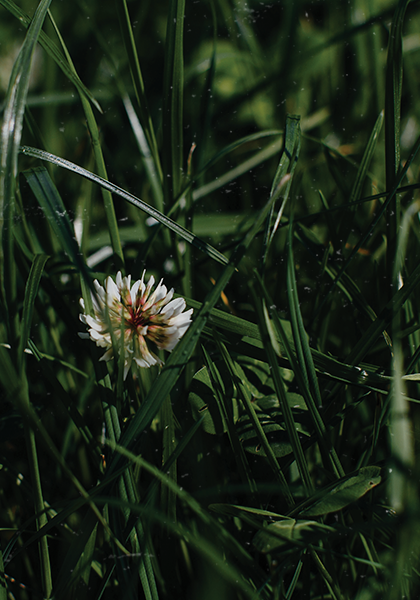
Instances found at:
x=261 y=158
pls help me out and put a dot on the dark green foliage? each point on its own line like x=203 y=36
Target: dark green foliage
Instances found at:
x=262 y=158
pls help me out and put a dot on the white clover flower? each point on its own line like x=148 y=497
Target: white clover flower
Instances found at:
x=141 y=316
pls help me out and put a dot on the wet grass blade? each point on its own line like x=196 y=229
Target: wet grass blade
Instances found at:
x=166 y=221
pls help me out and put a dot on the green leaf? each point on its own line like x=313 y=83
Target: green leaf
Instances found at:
x=288 y=532
x=204 y=404
x=348 y=490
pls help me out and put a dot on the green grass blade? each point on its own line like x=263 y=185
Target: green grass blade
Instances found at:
x=166 y=221
x=11 y=134
x=3 y=590
x=173 y=92
x=245 y=396
x=137 y=77
x=286 y=167
x=393 y=93
x=263 y=321
x=31 y=291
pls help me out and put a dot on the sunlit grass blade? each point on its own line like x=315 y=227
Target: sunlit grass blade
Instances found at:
x=11 y=133
x=286 y=167
x=345 y=229
x=137 y=77
x=52 y=49
x=166 y=221
x=393 y=95
x=173 y=93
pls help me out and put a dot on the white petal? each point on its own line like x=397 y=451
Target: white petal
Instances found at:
x=174 y=307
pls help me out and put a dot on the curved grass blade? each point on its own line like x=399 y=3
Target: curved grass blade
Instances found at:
x=51 y=48
x=11 y=134
x=166 y=221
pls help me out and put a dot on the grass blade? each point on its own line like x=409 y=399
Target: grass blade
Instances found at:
x=173 y=92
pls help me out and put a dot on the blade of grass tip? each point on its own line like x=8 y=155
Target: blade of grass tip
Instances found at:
x=173 y=89
x=11 y=134
x=50 y=47
x=166 y=221
x=393 y=91
x=99 y=158
x=264 y=323
x=245 y=397
x=238 y=450
x=31 y=291
x=137 y=77
x=286 y=166
x=183 y=351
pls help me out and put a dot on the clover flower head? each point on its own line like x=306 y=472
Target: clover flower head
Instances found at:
x=144 y=318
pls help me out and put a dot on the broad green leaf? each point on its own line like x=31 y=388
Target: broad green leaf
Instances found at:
x=288 y=532
x=204 y=404
x=348 y=490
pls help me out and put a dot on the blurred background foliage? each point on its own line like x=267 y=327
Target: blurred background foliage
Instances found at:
x=247 y=65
